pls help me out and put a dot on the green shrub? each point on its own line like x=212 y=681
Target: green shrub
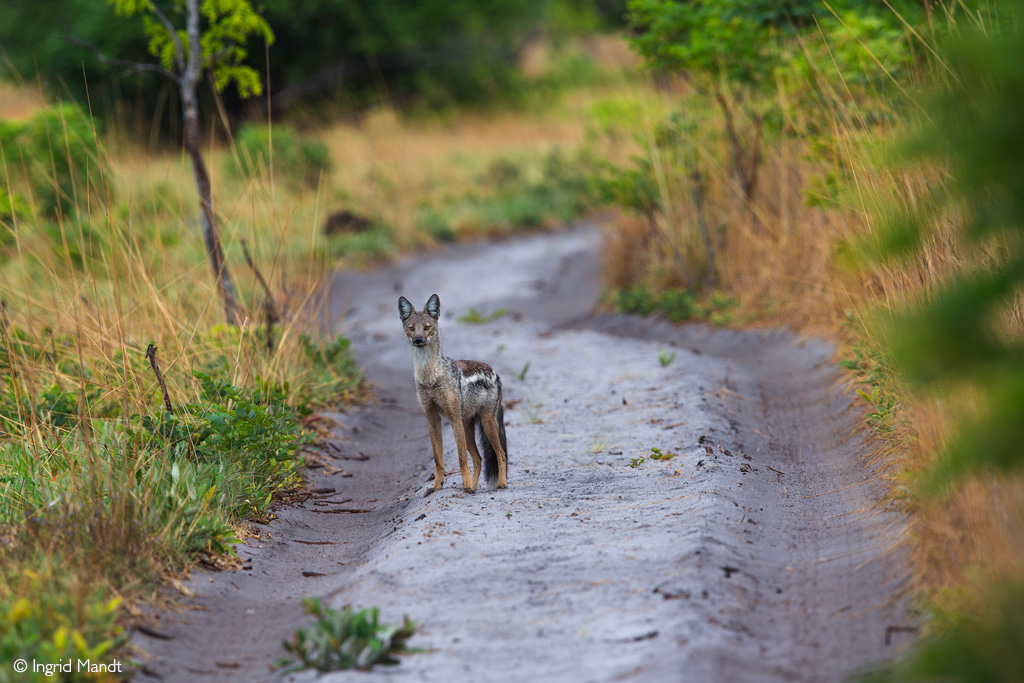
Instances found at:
x=512 y=196
x=958 y=334
x=370 y=245
x=435 y=223
x=637 y=299
x=962 y=337
x=297 y=162
x=12 y=206
x=53 y=155
x=677 y=305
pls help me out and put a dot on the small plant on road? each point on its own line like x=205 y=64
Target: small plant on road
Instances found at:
x=521 y=375
x=666 y=358
x=636 y=462
x=475 y=317
x=656 y=454
x=533 y=411
x=344 y=639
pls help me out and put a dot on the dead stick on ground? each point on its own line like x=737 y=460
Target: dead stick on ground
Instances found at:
x=151 y=356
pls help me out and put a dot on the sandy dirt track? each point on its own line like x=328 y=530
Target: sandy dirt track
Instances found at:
x=756 y=553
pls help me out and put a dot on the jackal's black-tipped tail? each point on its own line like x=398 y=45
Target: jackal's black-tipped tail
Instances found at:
x=490 y=455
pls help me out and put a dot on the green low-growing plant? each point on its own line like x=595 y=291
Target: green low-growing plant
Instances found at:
x=636 y=462
x=871 y=369
x=665 y=358
x=43 y=620
x=345 y=639
x=677 y=305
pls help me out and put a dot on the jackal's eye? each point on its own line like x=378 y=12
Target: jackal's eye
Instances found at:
x=426 y=327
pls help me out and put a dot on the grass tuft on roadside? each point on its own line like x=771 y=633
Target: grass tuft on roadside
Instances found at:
x=345 y=639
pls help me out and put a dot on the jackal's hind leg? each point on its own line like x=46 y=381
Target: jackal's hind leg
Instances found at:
x=469 y=429
x=490 y=425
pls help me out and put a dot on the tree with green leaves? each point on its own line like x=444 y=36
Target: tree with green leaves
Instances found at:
x=213 y=40
x=725 y=48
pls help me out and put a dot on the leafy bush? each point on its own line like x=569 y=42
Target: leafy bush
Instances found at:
x=958 y=334
x=962 y=336
x=371 y=245
x=53 y=155
x=296 y=162
x=345 y=639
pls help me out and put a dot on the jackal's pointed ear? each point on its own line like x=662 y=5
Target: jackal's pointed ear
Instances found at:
x=405 y=308
x=433 y=307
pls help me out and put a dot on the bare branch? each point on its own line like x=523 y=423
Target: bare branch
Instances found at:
x=128 y=64
x=151 y=357
x=179 y=49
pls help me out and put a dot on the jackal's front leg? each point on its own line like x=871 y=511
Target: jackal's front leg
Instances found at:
x=434 y=425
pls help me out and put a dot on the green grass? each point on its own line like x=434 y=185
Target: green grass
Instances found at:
x=103 y=489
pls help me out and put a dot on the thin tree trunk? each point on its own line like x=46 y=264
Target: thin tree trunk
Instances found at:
x=190 y=115
x=711 y=278
x=744 y=169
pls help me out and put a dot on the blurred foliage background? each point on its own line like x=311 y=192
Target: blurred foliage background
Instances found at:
x=351 y=54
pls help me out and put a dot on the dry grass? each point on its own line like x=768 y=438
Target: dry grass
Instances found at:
x=17 y=102
x=797 y=265
x=388 y=165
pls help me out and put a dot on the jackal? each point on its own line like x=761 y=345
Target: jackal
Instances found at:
x=466 y=392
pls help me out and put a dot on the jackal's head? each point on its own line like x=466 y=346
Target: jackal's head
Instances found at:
x=420 y=328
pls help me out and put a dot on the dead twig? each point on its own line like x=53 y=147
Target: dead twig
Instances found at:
x=151 y=356
x=270 y=309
